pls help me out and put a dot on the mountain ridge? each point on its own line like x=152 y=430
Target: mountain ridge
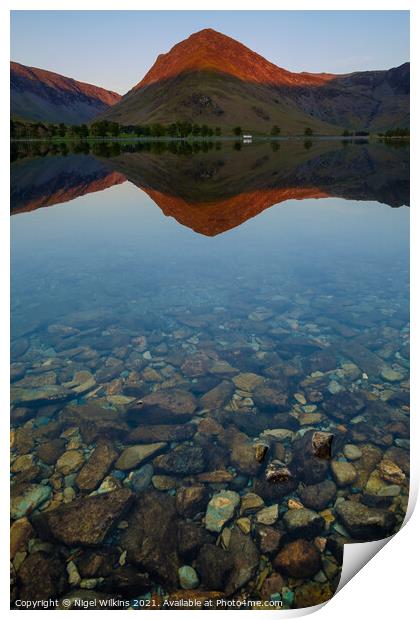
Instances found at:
x=38 y=94
x=201 y=51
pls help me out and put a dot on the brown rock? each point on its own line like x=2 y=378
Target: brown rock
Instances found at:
x=268 y=539
x=134 y=456
x=151 y=537
x=163 y=406
x=272 y=585
x=20 y=532
x=191 y=500
x=391 y=472
x=245 y=560
x=299 y=559
x=322 y=444
x=97 y=467
x=269 y=398
x=214 y=566
x=42 y=577
x=50 y=451
x=86 y=521
x=191 y=538
x=161 y=432
x=182 y=460
x=70 y=461
x=97 y=562
x=217 y=397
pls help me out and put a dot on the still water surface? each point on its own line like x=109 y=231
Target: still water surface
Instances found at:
x=216 y=342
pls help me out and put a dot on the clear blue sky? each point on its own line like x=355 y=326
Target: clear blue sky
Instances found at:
x=114 y=49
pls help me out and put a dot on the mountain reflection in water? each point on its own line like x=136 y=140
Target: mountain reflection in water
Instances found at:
x=218 y=187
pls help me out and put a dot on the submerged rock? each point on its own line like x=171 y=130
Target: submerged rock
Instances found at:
x=191 y=500
x=133 y=456
x=42 y=577
x=344 y=473
x=268 y=539
x=218 y=396
x=214 y=566
x=188 y=578
x=299 y=559
x=163 y=406
x=267 y=397
x=26 y=499
x=308 y=468
x=86 y=521
x=161 y=432
x=151 y=537
x=70 y=461
x=322 y=444
x=245 y=560
x=365 y=523
x=303 y=523
x=183 y=460
x=191 y=538
x=97 y=562
x=318 y=496
x=50 y=451
x=97 y=467
x=20 y=533
x=221 y=509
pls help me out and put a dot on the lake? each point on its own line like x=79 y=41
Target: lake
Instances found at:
x=209 y=367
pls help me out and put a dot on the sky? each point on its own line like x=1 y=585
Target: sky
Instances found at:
x=115 y=49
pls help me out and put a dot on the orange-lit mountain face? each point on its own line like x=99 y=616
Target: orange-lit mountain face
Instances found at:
x=219 y=216
x=209 y=78
x=42 y=95
x=209 y=50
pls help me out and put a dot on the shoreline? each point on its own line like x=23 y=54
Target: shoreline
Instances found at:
x=258 y=138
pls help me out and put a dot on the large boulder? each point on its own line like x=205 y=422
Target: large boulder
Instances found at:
x=86 y=521
x=41 y=577
x=163 y=407
x=151 y=537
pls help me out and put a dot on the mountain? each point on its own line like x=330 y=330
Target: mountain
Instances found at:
x=211 y=78
x=39 y=95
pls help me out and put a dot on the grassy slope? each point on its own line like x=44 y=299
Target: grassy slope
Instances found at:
x=254 y=107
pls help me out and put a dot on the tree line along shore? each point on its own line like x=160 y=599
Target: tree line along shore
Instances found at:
x=20 y=129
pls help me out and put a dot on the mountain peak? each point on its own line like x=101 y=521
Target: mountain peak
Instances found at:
x=210 y=50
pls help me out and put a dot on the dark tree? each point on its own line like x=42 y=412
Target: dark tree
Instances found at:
x=308 y=131
x=275 y=130
x=237 y=130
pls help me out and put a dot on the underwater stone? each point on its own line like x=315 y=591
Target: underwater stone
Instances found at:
x=188 y=578
x=221 y=509
x=28 y=498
